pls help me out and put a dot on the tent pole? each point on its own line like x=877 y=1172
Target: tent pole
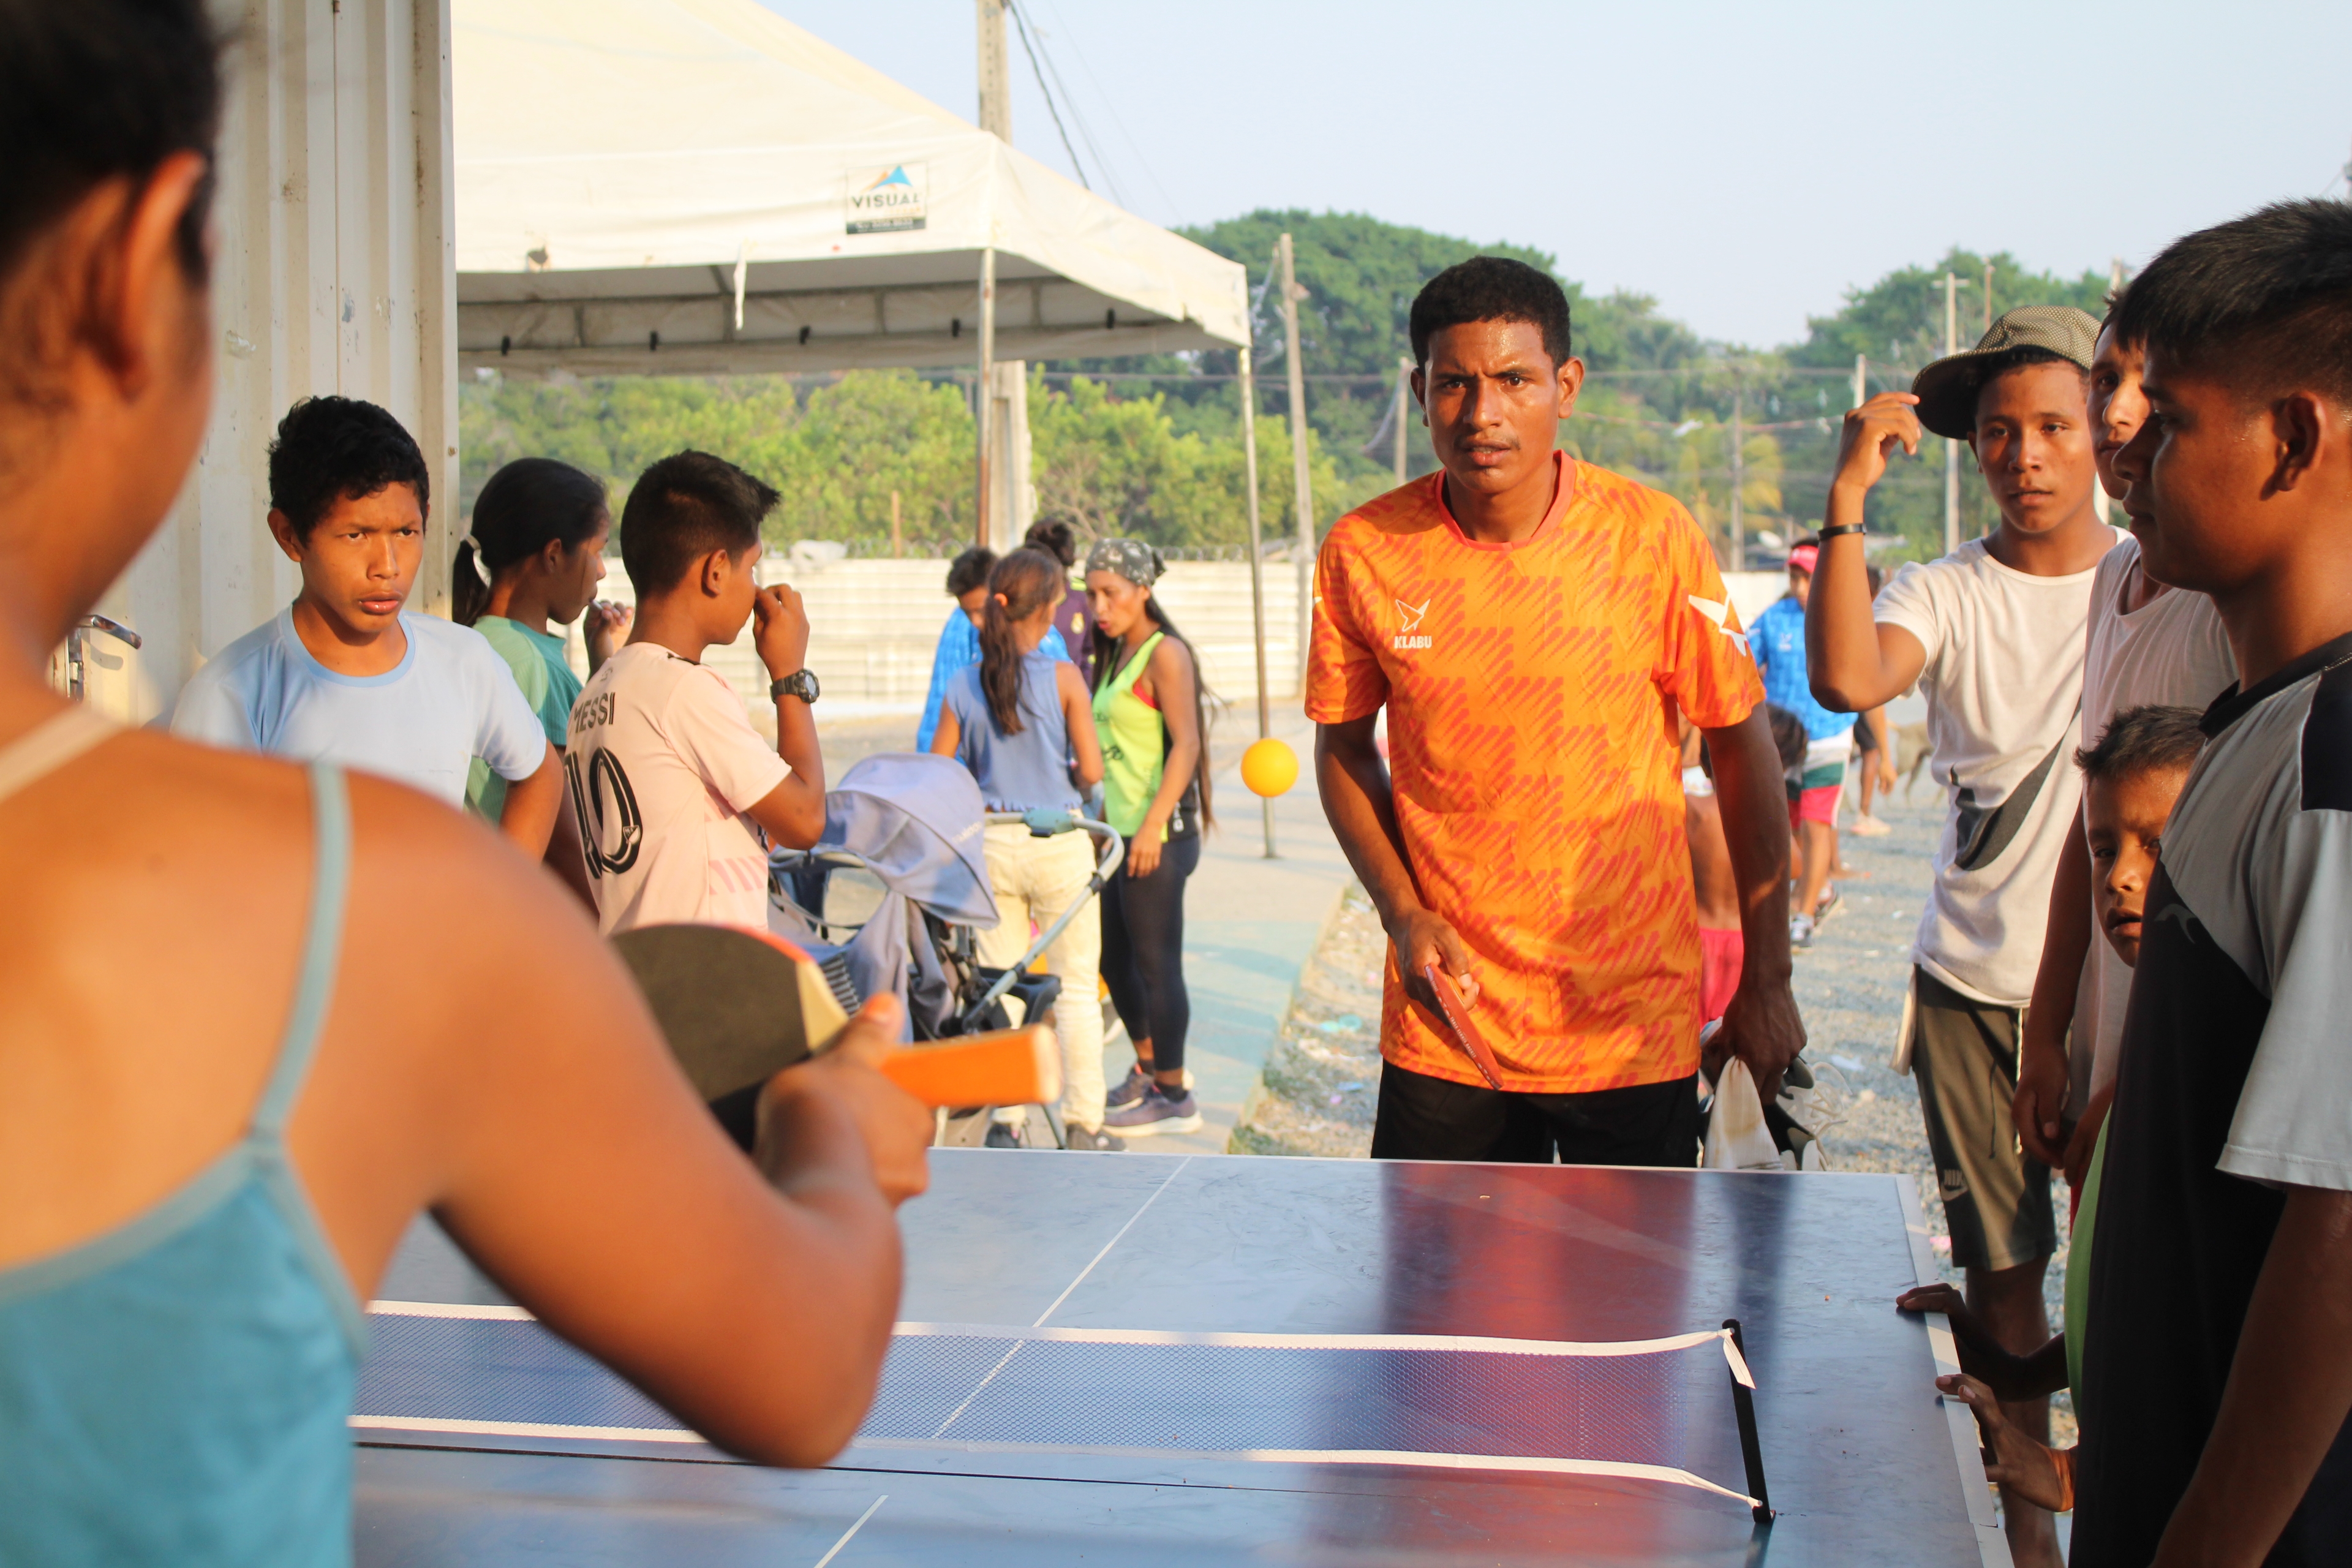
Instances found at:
x=1257 y=568
x=987 y=421
x=1298 y=471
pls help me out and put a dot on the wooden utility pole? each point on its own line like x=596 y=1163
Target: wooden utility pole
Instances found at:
x=996 y=119
x=995 y=72
x=1738 y=475
x=986 y=400
x=1291 y=294
x=1403 y=408
x=1951 y=448
x=897 y=540
x=1257 y=571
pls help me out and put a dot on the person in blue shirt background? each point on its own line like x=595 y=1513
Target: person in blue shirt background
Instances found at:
x=1817 y=786
x=959 y=647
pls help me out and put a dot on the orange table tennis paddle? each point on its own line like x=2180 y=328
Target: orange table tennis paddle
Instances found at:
x=738 y=1007
x=1465 y=1028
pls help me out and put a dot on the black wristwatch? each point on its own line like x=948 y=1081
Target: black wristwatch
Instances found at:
x=800 y=683
x=1834 y=530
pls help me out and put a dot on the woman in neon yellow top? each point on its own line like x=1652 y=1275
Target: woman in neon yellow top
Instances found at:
x=1156 y=793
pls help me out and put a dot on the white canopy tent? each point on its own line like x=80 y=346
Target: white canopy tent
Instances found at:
x=694 y=185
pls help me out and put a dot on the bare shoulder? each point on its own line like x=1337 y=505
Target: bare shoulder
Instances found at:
x=1173 y=660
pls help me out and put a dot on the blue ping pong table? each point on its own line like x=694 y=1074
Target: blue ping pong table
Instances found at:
x=1144 y=1360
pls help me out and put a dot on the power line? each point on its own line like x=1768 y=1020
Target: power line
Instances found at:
x=1085 y=132
x=1021 y=27
x=1110 y=102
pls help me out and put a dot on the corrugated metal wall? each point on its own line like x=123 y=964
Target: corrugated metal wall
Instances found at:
x=333 y=273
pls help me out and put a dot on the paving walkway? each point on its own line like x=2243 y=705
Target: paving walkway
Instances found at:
x=1250 y=925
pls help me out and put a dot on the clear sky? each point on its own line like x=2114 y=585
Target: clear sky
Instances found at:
x=1742 y=163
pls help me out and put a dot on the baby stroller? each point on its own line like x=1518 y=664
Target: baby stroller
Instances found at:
x=892 y=895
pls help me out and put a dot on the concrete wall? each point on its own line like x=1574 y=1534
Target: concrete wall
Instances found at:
x=333 y=274
x=874 y=625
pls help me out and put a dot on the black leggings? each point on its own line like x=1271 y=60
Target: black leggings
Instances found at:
x=1143 y=951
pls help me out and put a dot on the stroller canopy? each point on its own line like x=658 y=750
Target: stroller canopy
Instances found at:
x=916 y=820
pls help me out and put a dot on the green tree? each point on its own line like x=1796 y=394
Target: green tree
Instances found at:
x=1112 y=466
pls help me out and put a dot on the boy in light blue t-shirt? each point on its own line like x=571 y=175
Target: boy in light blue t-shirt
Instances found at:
x=344 y=674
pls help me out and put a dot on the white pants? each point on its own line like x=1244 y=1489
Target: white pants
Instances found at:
x=1034 y=881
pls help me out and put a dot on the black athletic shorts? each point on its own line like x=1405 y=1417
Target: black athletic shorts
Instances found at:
x=1424 y=1118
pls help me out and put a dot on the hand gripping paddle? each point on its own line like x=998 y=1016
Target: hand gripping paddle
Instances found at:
x=1465 y=1028
x=738 y=1007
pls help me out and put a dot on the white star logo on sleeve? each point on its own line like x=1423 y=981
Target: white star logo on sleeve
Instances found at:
x=1718 y=611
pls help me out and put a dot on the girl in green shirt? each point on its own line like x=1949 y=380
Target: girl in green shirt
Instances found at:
x=1148 y=712
x=531 y=557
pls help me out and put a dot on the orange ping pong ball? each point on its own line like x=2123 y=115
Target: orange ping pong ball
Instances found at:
x=1269 y=767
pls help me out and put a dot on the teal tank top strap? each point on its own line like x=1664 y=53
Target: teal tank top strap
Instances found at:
x=322 y=943
x=314 y=989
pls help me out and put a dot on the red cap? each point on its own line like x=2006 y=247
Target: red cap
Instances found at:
x=1802 y=558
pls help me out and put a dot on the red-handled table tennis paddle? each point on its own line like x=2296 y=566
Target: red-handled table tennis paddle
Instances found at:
x=1465 y=1028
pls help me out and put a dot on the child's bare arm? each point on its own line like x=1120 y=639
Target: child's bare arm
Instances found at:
x=1855 y=663
x=512 y=1082
x=1078 y=718
x=532 y=806
x=2030 y=1469
x=2040 y=1104
x=2013 y=1377
x=793 y=812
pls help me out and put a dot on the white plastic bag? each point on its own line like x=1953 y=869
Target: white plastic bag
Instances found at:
x=1736 y=1138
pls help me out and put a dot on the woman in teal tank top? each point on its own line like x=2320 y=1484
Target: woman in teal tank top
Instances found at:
x=1148 y=713
x=538 y=530
x=253 y=1020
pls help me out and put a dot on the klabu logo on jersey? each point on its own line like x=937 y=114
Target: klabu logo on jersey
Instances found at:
x=1409 y=634
x=1718 y=611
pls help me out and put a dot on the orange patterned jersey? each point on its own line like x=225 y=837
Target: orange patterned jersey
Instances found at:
x=1532 y=691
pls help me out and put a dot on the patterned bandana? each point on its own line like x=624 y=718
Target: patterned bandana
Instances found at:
x=1130 y=558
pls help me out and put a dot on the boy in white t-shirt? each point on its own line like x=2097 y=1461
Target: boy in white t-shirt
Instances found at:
x=2149 y=646
x=677 y=796
x=1993 y=635
x=344 y=674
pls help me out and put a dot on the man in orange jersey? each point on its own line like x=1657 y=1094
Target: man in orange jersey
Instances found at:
x=1537 y=628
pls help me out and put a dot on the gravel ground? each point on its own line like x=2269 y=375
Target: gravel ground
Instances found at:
x=1322 y=1076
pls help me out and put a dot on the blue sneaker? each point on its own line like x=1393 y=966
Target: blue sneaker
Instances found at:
x=1130 y=1090
x=1156 y=1113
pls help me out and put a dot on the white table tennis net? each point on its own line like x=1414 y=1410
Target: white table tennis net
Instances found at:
x=1658 y=1410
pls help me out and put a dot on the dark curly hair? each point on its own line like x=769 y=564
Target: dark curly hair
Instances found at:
x=2141 y=741
x=2264 y=302
x=1492 y=289
x=681 y=509
x=330 y=449
x=969 y=570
